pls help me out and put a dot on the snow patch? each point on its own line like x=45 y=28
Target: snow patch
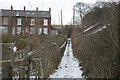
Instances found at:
x=31 y=52
x=15 y=49
x=63 y=45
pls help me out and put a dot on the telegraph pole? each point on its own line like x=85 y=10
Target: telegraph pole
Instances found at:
x=61 y=19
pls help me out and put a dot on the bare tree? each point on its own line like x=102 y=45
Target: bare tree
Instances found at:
x=81 y=9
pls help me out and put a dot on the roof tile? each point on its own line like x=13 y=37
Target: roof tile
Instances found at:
x=29 y=13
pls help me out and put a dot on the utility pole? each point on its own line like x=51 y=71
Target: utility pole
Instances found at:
x=58 y=19
x=73 y=16
x=61 y=19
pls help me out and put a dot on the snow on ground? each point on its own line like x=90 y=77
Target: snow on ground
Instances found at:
x=69 y=66
x=15 y=49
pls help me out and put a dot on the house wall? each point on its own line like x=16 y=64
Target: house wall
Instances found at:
x=26 y=23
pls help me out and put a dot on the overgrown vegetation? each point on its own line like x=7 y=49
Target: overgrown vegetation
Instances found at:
x=98 y=52
x=45 y=47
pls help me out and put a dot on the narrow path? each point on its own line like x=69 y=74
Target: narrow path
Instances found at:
x=69 y=66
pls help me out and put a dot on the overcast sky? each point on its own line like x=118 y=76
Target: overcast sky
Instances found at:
x=55 y=5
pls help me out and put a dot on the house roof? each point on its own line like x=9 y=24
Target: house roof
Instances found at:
x=29 y=13
x=53 y=28
x=94 y=29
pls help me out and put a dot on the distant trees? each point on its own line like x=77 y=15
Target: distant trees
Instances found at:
x=67 y=30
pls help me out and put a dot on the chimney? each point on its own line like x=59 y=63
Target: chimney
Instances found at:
x=49 y=10
x=36 y=9
x=24 y=9
x=11 y=9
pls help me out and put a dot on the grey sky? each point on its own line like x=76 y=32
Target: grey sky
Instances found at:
x=56 y=6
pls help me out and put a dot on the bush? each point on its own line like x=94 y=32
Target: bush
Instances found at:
x=22 y=43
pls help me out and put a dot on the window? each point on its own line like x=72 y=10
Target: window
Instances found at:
x=5 y=21
x=19 y=21
x=18 y=13
x=18 y=30
x=4 y=30
x=26 y=30
x=32 y=30
x=32 y=22
x=45 y=22
x=41 y=23
x=45 y=31
x=54 y=32
x=13 y=30
x=39 y=31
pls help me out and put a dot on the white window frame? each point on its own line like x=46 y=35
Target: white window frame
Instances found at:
x=45 y=22
x=3 y=30
x=56 y=32
x=19 y=30
x=26 y=30
x=32 y=30
x=19 y=21
x=13 y=30
x=32 y=22
x=52 y=32
x=5 y=21
x=39 y=31
x=45 y=30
